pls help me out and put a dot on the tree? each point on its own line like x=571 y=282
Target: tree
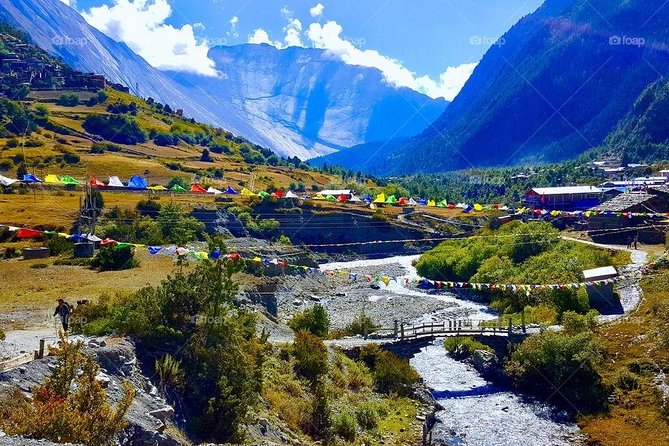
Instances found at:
x=205 y=156
x=314 y=320
x=176 y=227
x=121 y=129
x=311 y=355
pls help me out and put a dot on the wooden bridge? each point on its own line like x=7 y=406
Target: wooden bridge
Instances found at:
x=465 y=327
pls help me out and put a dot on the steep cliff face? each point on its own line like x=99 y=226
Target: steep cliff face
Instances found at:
x=309 y=98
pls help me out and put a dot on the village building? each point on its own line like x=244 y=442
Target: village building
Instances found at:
x=568 y=198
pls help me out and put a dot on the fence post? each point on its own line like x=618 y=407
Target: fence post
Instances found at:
x=510 y=326
x=402 y=328
x=522 y=317
x=395 y=328
x=41 y=349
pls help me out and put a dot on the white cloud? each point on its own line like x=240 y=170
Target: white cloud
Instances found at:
x=328 y=37
x=293 y=32
x=260 y=36
x=317 y=11
x=141 y=25
x=233 y=27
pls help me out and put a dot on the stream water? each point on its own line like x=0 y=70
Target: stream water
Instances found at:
x=476 y=412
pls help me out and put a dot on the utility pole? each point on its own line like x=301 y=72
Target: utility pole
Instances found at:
x=88 y=211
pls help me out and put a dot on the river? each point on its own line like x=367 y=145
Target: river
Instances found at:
x=476 y=413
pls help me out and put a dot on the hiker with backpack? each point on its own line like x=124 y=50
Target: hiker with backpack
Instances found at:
x=63 y=310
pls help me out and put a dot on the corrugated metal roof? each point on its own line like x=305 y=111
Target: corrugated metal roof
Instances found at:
x=623 y=202
x=567 y=190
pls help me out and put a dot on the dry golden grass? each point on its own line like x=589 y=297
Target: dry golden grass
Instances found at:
x=28 y=289
x=635 y=419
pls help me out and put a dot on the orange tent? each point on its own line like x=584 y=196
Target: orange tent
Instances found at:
x=96 y=183
x=197 y=189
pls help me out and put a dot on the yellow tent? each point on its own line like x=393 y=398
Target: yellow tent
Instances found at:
x=247 y=193
x=555 y=213
x=319 y=197
x=478 y=207
x=431 y=203
x=381 y=198
x=157 y=187
x=51 y=179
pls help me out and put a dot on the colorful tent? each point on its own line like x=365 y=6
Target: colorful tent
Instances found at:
x=115 y=182
x=197 y=189
x=342 y=198
x=213 y=190
x=442 y=204
x=422 y=202
x=231 y=191
x=391 y=200
x=28 y=233
x=290 y=194
x=68 y=180
x=478 y=207
x=330 y=198
x=431 y=204
x=178 y=188
x=381 y=198
x=402 y=201
x=30 y=178
x=263 y=194
x=4 y=181
x=137 y=182
x=157 y=188
x=96 y=183
x=412 y=202
x=278 y=193
x=51 y=179
x=355 y=199
x=247 y=193
x=319 y=197
x=451 y=206
x=367 y=198
x=467 y=208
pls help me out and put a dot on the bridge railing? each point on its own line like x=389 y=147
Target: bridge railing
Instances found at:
x=464 y=326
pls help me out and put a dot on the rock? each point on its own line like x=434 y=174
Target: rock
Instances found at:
x=163 y=414
x=161 y=427
x=93 y=343
x=103 y=379
x=420 y=417
x=263 y=422
x=22 y=370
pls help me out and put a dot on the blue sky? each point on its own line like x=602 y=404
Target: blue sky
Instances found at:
x=429 y=45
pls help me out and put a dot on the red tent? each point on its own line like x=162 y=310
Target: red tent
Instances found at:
x=108 y=242
x=342 y=198
x=28 y=233
x=197 y=189
x=96 y=183
x=451 y=206
x=279 y=193
x=402 y=201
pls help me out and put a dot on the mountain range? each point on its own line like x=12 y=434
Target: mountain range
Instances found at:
x=555 y=85
x=297 y=101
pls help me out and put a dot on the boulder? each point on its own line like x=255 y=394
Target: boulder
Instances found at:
x=163 y=414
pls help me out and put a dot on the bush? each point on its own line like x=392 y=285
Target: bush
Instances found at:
x=627 y=380
x=71 y=158
x=70 y=406
x=367 y=416
x=314 y=320
x=391 y=374
x=68 y=100
x=310 y=354
x=361 y=325
x=59 y=245
x=114 y=259
x=463 y=347
x=344 y=425
x=102 y=147
x=121 y=129
x=562 y=368
x=575 y=323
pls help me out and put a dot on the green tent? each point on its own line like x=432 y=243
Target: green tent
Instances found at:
x=330 y=198
x=263 y=194
x=442 y=204
x=391 y=200
x=178 y=188
x=68 y=180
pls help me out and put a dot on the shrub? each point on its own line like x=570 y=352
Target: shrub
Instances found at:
x=627 y=380
x=71 y=405
x=206 y=157
x=71 y=158
x=102 y=147
x=562 y=368
x=367 y=416
x=575 y=323
x=314 y=320
x=121 y=129
x=114 y=259
x=170 y=373
x=31 y=143
x=68 y=100
x=463 y=347
x=39 y=266
x=344 y=425
x=361 y=325
x=310 y=354
x=391 y=374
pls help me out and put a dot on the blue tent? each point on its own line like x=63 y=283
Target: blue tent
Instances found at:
x=137 y=182
x=30 y=178
x=231 y=191
x=367 y=199
x=467 y=209
x=422 y=202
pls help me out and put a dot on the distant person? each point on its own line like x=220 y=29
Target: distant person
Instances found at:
x=63 y=310
x=630 y=240
x=636 y=241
